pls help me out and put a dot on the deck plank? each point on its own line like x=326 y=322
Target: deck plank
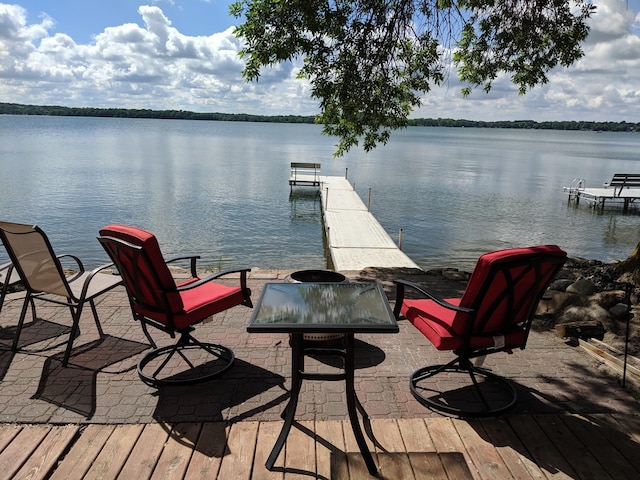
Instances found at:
x=357 y=467
x=176 y=454
x=45 y=457
x=209 y=451
x=267 y=436
x=116 y=450
x=623 y=433
x=609 y=458
x=241 y=445
x=21 y=447
x=330 y=451
x=393 y=462
x=571 y=448
x=452 y=451
x=511 y=449
x=145 y=453
x=483 y=453
x=416 y=438
x=83 y=453
x=300 y=452
x=7 y=434
x=541 y=450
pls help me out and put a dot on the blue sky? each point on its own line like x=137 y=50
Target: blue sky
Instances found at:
x=81 y=19
x=182 y=54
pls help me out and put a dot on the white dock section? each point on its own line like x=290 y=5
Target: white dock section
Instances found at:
x=597 y=197
x=623 y=188
x=356 y=240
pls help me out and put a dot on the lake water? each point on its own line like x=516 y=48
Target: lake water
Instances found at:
x=220 y=189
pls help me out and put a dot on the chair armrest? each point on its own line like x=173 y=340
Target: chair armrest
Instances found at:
x=208 y=278
x=74 y=258
x=93 y=273
x=400 y=289
x=193 y=260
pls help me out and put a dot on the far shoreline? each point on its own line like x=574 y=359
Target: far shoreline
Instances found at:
x=63 y=111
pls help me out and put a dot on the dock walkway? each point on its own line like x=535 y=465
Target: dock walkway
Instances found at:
x=355 y=238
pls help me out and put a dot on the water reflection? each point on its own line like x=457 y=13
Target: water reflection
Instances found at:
x=322 y=305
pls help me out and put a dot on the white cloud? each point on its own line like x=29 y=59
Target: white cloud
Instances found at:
x=604 y=85
x=154 y=65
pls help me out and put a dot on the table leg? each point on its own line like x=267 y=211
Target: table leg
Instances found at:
x=290 y=409
x=353 y=405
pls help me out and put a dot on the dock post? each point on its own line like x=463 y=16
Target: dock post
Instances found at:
x=369 y=201
x=346 y=173
x=326 y=200
x=400 y=240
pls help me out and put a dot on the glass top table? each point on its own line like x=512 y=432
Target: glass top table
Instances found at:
x=323 y=307
x=303 y=308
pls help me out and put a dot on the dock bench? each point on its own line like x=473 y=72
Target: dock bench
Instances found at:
x=621 y=181
x=304 y=174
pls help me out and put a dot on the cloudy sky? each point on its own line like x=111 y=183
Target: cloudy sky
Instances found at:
x=181 y=54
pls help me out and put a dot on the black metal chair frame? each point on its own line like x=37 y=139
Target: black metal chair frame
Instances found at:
x=8 y=276
x=185 y=340
x=463 y=363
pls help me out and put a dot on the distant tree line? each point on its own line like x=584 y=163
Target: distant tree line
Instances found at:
x=18 y=109
x=52 y=110
x=530 y=124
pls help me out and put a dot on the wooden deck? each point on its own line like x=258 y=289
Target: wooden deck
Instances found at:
x=355 y=238
x=542 y=446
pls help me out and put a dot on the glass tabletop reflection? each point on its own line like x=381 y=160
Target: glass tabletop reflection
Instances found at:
x=322 y=307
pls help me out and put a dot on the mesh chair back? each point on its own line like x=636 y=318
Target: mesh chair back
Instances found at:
x=149 y=283
x=34 y=259
x=505 y=287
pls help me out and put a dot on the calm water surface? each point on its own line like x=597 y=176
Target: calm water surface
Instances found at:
x=220 y=189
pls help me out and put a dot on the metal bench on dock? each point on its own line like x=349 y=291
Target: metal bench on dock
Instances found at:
x=626 y=189
x=304 y=174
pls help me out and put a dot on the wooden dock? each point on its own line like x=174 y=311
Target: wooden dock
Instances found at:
x=542 y=446
x=355 y=238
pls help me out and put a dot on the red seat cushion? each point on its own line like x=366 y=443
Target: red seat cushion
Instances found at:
x=435 y=323
x=199 y=303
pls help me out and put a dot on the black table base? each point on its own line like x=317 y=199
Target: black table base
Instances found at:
x=353 y=404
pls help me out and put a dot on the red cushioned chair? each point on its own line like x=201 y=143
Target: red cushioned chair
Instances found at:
x=493 y=315
x=157 y=300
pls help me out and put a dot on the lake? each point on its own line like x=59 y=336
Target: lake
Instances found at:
x=220 y=189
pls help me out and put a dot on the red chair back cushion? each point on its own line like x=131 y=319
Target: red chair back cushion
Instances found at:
x=505 y=285
x=147 y=273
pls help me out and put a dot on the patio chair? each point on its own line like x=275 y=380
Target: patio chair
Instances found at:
x=44 y=278
x=8 y=276
x=493 y=315
x=157 y=301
